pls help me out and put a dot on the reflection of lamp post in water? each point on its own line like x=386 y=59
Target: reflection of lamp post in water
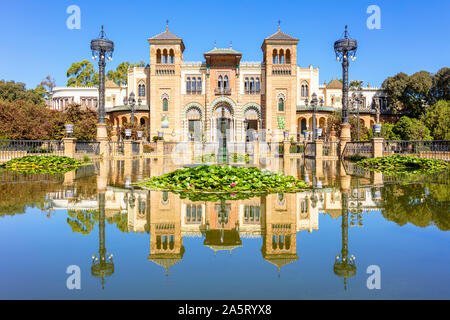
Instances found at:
x=223 y=151
x=102 y=264
x=344 y=266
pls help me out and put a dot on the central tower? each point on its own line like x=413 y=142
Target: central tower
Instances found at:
x=280 y=101
x=166 y=59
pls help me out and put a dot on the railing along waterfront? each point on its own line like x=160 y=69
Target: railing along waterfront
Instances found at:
x=149 y=148
x=364 y=148
x=135 y=147
x=330 y=148
x=169 y=147
x=310 y=149
x=116 y=148
x=10 y=149
x=87 y=147
x=434 y=149
x=297 y=147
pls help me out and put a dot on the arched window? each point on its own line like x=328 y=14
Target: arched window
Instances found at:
x=193 y=84
x=199 y=84
x=225 y=82
x=165 y=104
x=172 y=56
x=142 y=121
x=165 y=56
x=246 y=85
x=257 y=85
x=141 y=90
x=275 y=57
x=252 y=84
x=220 y=82
x=281 y=60
x=188 y=84
x=158 y=56
x=304 y=90
x=288 y=56
x=281 y=105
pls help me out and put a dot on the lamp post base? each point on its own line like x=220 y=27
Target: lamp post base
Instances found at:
x=102 y=137
x=345 y=137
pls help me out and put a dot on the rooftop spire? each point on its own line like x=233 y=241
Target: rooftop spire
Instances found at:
x=167 y=25
x=279 y=25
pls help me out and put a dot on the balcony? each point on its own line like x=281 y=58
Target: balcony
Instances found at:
x=281 y=70
x=196 y=91
x=253 y=91
x=165 y=69
x=222 y=91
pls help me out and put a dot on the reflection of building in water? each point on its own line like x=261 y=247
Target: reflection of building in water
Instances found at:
x=222 y=226
x=280 y=229
x=166 y=242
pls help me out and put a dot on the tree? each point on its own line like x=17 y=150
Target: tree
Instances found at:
x=411 y=129
x=441 y=85
x=25 y=120
x=16 y=91
x=394 y=88
x=417 y=93
x=356 y=84
x=437 y=119
x=82 y=74
x=334 y=124
x=120 y=75
x=45 y=88
x=411 y=94
x=84 y=121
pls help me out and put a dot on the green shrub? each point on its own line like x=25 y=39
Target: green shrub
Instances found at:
x=42 y=164
x=400 y=164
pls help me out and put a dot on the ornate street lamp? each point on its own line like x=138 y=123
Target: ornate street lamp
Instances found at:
x=132 y=101
x=314 y=102
x=102 y=49
x=345 y=48
x=223 y=151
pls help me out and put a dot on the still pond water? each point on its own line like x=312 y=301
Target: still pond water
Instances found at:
x=136 y=244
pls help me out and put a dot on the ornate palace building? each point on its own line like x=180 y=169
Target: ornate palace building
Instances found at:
x=185 y=100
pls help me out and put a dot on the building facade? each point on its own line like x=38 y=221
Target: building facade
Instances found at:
x=183 y=100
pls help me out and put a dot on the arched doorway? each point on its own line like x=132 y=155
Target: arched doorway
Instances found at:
x=251 y=123
x=223 y=121
x=194 y=119
x=303 y=125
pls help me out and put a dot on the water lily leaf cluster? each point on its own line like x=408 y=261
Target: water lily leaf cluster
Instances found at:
x=229 y=180
x=396 y=164
x=42 y=164
x=234 y=157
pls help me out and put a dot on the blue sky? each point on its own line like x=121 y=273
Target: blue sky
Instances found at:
x=414 y=35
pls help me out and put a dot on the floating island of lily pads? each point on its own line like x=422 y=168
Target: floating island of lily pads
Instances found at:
x=398 y=164
x=215 y=182
x=42 y=164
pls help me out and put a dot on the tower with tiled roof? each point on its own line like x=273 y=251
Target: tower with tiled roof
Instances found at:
x=280 y=100
x=166 y=59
